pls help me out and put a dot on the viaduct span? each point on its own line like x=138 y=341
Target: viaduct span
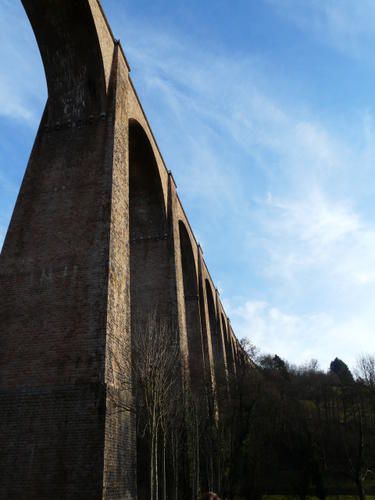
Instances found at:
x=98 y=237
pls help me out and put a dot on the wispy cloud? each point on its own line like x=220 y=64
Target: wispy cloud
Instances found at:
x=316 y=232
x=346 y=25
x=302 y=337
x=273 y=190
x=22 y=85
x=22 y=97
x=297 y=338
x=269 y=168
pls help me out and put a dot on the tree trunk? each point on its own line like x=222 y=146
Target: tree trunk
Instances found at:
x=176 y=470
x=152 y=465
x=164 y=468
x=197 y=449
x=360 y=489
x=156 y=463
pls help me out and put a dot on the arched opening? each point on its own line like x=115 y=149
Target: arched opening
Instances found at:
x=217 y=347
x=149 y=281
x=210 y=376
x=228 y=345
x=149 y=262
x=233 y=350
x=72 y=58
x=192 y=312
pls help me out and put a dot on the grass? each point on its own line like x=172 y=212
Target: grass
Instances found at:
x=332 y=497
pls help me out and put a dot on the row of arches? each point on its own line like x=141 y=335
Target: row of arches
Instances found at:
x=210 y=356
x=167 y=276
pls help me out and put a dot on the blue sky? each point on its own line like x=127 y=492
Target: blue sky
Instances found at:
x=264 y=111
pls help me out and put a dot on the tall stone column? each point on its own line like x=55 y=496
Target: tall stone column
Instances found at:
x=64 y=294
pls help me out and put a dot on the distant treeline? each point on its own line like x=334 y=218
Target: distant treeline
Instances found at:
x=301 y=431
x=265 y=428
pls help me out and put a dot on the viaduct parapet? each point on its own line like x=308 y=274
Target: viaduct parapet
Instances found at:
x=98 y=238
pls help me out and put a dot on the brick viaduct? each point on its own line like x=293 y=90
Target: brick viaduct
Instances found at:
x=98 y=235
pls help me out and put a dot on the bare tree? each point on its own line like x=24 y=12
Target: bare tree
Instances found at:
x=365 y=371
x=156 y=369
x=249 y=348
x=144 y=376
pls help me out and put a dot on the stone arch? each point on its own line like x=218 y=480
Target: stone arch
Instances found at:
x=233 y=350
x=206 y=339
x=72 y=57
x=228 y=345
x=149 y=260
x=217 y=346
x=192 y=311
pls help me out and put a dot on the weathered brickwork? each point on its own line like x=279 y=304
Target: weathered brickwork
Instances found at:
x=98 y=239
x=51 y=441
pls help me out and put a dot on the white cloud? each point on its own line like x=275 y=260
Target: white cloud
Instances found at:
x=321 y=240
x=13 y=108
x=22 y=83
x=299 y=338
x=230 y=140
x=269 y=166
x=346 y=25
x=296 y=338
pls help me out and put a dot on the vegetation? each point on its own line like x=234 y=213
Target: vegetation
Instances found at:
x=305 y=432
x=333 y=497
x=270 y=429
